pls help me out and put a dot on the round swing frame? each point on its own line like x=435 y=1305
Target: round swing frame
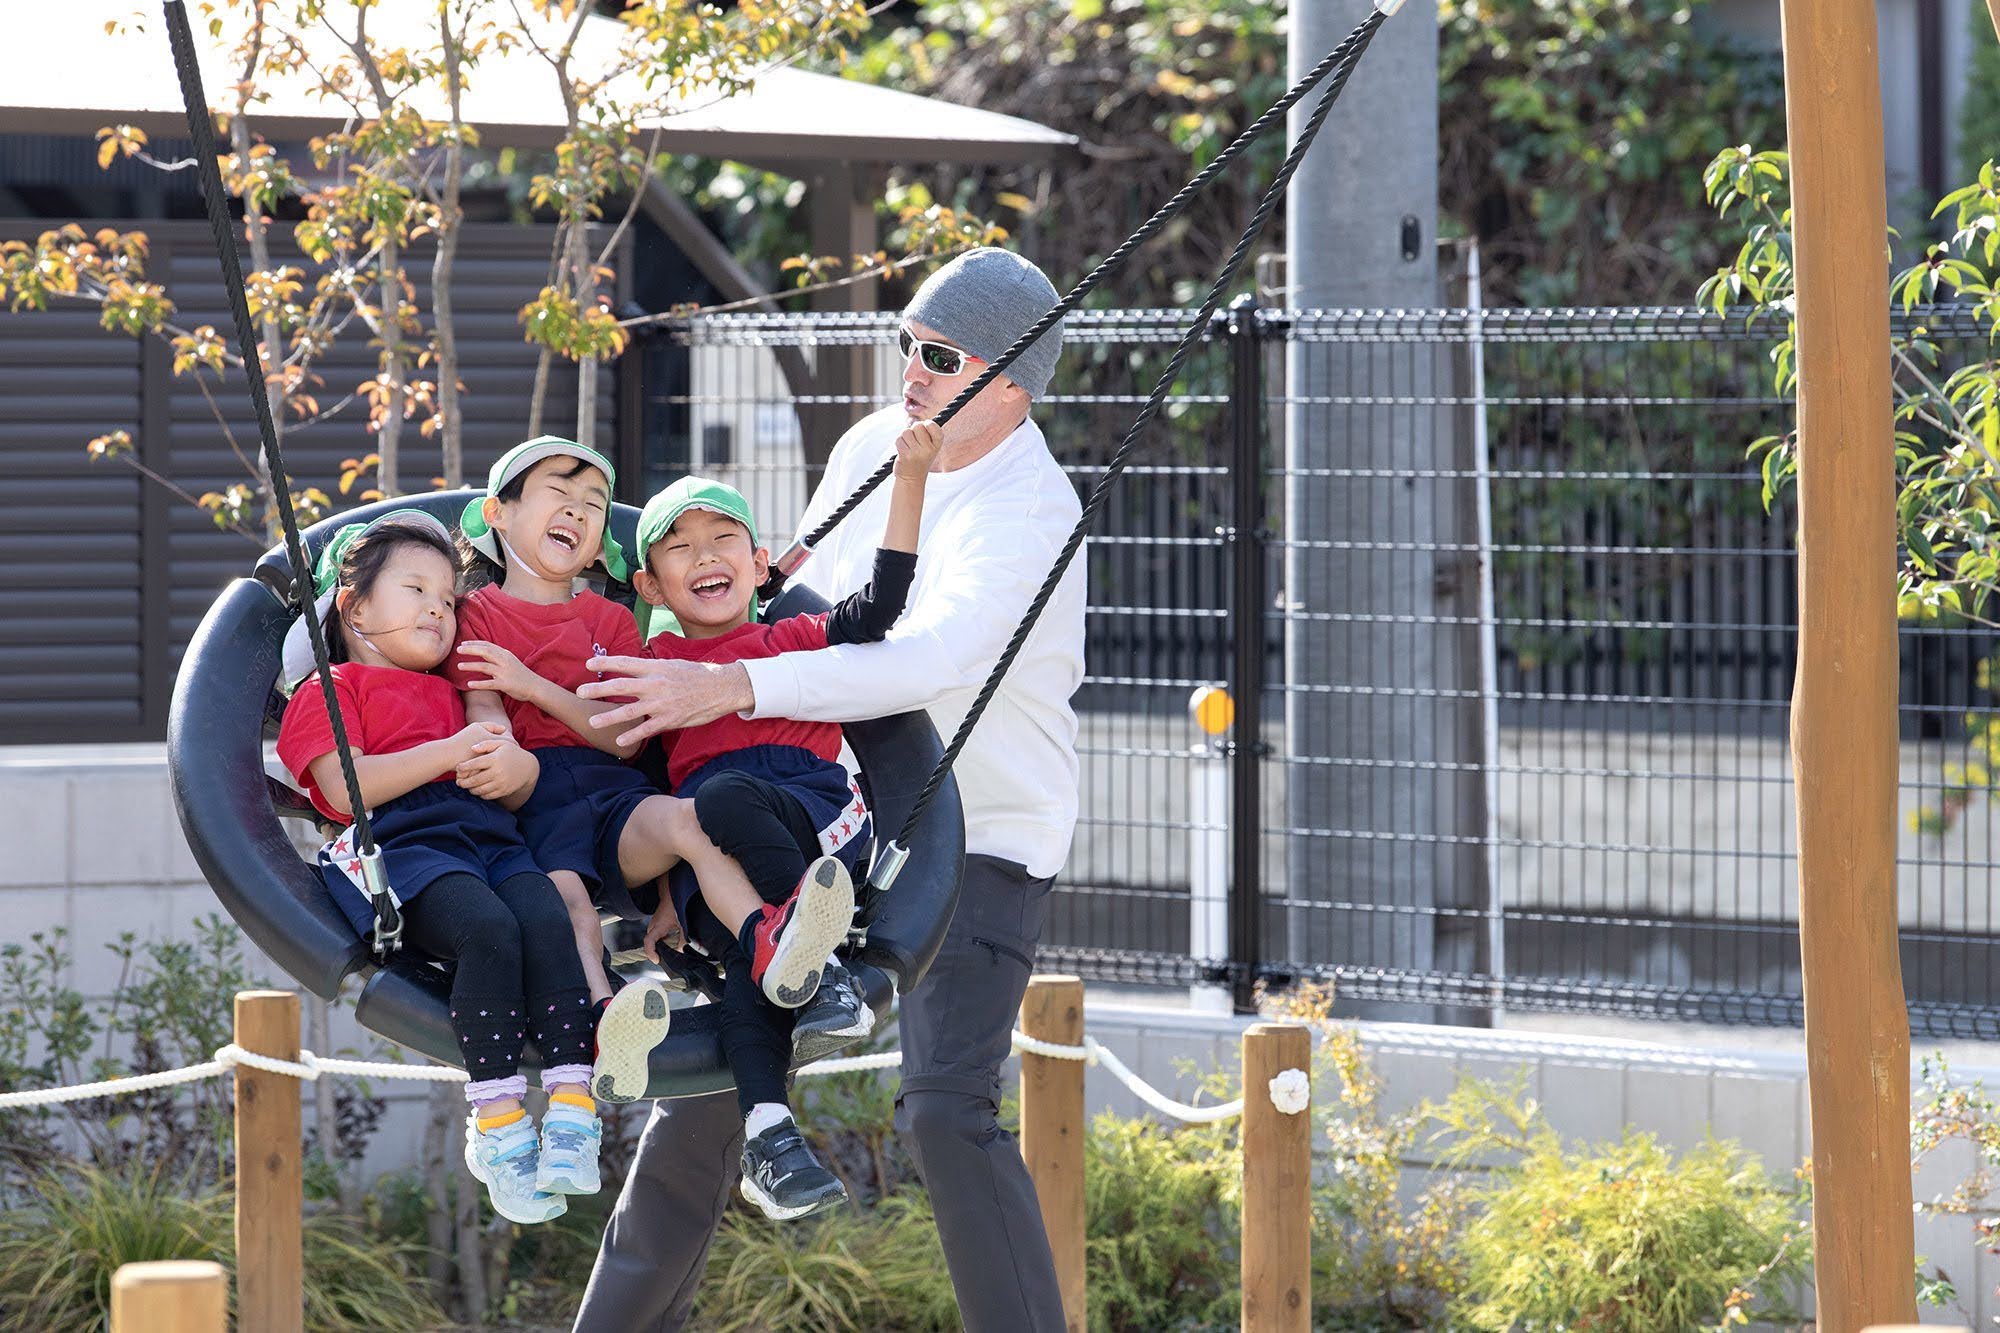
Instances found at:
x=226 y=706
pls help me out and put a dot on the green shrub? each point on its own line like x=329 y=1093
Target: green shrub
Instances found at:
x=1161 y=1217
x=1617 y=1238
x=59 y=1249
x=855 y=1270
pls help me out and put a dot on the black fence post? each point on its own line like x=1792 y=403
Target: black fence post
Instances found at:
x=1249 y=604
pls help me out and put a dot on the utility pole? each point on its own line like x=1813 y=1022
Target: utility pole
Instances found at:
x=1365 y=514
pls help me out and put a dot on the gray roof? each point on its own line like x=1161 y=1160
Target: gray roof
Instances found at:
x=789 y=117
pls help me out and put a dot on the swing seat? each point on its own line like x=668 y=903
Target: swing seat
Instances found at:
x=226 y=705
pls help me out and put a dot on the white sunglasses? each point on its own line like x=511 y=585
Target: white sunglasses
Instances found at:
x=938 y=358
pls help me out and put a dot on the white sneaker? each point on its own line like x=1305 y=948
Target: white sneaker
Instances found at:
x=571 y=1137
x=634 y=1023
x=505 y=1160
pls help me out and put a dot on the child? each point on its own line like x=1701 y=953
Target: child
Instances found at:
x=469 y=890
x=592 y=822
x=770 y=792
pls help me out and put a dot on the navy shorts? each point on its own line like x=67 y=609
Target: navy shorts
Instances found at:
x=577 y=814
x=437 y=830
x=827 y=796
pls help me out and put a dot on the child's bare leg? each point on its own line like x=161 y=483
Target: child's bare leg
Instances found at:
x=588 y=929
x=662 y=832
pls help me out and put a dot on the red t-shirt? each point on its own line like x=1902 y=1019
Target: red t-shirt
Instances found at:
x=553 y=641
x=385 y=710
x=689 y=749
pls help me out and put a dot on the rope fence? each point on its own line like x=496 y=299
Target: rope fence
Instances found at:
x=270 y=1069
x=310 y=1066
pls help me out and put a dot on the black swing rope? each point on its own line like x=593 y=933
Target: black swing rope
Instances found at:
x=1341 y=57
x=1342 y=61
x=388 y=931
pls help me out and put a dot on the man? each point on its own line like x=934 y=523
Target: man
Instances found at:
x=996 y=514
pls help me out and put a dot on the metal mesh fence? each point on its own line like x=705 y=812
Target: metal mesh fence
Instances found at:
x=1511 y=632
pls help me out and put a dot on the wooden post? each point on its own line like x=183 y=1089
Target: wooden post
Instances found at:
x=270 y=1260
x=1277 y=1185
x=1052 y=1129
x=1844 y=744
x=1919 y=1328
x=170 y=1296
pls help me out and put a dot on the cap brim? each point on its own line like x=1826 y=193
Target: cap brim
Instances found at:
x=296 y=661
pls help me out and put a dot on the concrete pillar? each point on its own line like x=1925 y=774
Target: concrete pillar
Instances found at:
x=1362 y=232
x=842 y=199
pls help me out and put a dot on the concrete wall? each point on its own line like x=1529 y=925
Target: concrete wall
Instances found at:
x=90 y=843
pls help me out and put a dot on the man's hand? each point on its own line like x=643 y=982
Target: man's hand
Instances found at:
x=499 y=768
x=666 y=696
x=663 y=927
x=502 y=671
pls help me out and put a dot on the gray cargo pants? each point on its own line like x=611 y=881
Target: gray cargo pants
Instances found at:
x=956 y=1031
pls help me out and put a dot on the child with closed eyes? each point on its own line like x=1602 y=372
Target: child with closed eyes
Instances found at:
x=469 y=889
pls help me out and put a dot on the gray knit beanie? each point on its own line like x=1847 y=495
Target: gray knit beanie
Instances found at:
x=985 y=299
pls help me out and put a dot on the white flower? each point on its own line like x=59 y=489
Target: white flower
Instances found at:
x=1290 y=1092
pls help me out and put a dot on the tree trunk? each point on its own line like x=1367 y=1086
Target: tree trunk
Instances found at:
x=471 y=1256
x=539 y=398
x=450 y=219
x=433 y=1163
x=326 y=1118
x=585 y=278
x=273 y=349
x=389 y=439
x=586 y=402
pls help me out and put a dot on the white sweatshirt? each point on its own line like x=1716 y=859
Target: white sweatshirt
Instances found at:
x=990 y=535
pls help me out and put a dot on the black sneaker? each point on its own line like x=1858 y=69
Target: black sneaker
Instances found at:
x=837 y=1016
x=782 y=1177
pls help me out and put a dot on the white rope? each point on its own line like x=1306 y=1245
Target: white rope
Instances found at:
x=849 y=1064
x=1288 y=1091
x=307 y=1068
x=1147 y=1093
x=111 y=1087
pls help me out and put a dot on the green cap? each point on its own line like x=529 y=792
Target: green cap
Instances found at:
x=517 y=461
x=296 y=659
x=662 y=512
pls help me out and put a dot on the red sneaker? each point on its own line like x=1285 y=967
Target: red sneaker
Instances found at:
x=792 y=940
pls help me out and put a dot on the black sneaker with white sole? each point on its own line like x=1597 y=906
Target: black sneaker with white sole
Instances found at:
x=782 y=1177
x=837 y=1016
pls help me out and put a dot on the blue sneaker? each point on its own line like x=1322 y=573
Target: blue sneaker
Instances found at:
x=504 y=1160
x=571 y=1137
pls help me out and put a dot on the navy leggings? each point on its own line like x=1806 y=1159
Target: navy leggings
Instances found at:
x=515 y=970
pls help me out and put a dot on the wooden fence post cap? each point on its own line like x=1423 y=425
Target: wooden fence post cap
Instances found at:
x=1053 y=979
x=1276 y=1030
x=265 y=996
x=167 y=1272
